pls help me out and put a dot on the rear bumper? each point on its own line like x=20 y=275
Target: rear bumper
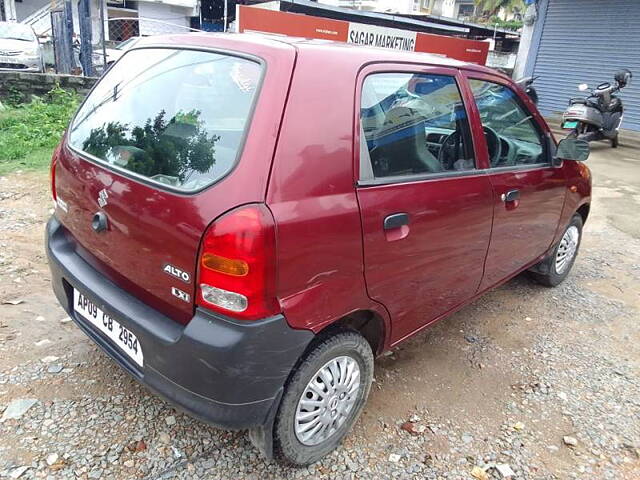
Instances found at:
x=227 y=373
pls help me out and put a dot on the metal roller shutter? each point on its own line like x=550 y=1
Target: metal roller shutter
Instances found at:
x=586 y=41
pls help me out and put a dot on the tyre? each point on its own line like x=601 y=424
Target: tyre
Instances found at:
x=615 y=142
x=323 y=399
x=573 y=134
x=554 y=269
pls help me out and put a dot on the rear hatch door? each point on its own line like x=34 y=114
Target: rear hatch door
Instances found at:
x=168 y=140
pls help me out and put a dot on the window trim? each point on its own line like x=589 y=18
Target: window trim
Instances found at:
x=419 y=177
x=546 y=140
x=153 y=183
x=406 y=68
x=453 y=174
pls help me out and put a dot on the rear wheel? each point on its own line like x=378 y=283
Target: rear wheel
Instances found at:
x=554 y=269
x=615 y=142
x=323 y=399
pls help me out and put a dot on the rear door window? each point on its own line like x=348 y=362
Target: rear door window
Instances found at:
x=174 y=117
x=413 y=124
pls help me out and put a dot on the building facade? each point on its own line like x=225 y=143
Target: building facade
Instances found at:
x=123 y=18
x=445 y=8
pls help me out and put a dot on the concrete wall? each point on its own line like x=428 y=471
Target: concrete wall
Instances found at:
x=28 y=84
x=389 y=6
x=26 y=8
x=526 y=37
x=171 y=19
x=436 y=7
x=448 y=8
x=8 y=11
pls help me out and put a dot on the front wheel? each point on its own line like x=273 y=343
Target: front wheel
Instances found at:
x=573 y=134
x=323 y=399
x=554 y=269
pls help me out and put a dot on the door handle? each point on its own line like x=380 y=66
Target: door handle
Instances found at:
x=396 y=220
x=510 y=196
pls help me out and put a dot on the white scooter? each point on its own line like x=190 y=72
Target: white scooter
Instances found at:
x=599 y=116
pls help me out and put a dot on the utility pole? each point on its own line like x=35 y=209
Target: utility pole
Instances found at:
x=226 y=11
x=84 y=16
x=62 y=39
x=103 y=36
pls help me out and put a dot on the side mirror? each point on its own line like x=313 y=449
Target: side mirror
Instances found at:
x=571 y=149
x=583 y=87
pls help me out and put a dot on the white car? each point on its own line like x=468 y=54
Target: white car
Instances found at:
x=19 y=48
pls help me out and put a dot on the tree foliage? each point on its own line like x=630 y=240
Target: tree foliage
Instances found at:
x=174 y=148
x=492 y=7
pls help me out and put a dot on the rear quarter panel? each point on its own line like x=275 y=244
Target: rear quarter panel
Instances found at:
x=312 y=196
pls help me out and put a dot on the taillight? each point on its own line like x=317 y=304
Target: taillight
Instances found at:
x=237 y=264
x=54 y=161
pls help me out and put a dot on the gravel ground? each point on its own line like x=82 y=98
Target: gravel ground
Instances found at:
x=526 y=382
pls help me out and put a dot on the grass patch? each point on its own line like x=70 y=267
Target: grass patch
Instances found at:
x=38 y=159
x=29 y=132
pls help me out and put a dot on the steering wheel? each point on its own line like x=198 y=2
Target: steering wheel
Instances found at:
x=493 y=145
x=450 y=150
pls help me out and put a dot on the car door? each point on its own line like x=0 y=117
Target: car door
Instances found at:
x=528 y=191
x=425 y=204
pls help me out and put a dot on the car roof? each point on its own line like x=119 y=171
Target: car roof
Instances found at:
x=358 y=53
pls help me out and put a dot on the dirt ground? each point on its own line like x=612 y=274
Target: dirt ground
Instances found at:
x=511 y=381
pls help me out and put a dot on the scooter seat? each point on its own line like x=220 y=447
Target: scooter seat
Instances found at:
x=585 y=101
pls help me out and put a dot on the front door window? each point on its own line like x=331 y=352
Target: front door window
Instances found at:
x=513 y=138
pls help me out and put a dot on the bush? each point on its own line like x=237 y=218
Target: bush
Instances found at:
x=507 y=24
x=34 y=127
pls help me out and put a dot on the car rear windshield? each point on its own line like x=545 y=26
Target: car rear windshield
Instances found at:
x=175 y=117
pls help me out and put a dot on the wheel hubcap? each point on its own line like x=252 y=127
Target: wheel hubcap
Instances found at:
x=327 y=400
x=567 y=249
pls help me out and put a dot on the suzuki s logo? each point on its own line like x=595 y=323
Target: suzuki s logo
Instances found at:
x=103 y=195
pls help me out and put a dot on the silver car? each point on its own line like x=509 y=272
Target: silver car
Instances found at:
x=19 y=48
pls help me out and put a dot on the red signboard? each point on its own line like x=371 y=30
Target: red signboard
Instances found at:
x=255 y=19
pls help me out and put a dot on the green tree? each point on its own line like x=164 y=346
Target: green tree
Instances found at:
x=492 y=7
x=175 y=148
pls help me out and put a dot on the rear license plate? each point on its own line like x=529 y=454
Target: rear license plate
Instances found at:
x=569 y=124
x=118 y=334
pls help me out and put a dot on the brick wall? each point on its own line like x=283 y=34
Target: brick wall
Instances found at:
x=28 y=84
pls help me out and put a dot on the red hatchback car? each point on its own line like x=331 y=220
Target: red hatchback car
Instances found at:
x=243 y=223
